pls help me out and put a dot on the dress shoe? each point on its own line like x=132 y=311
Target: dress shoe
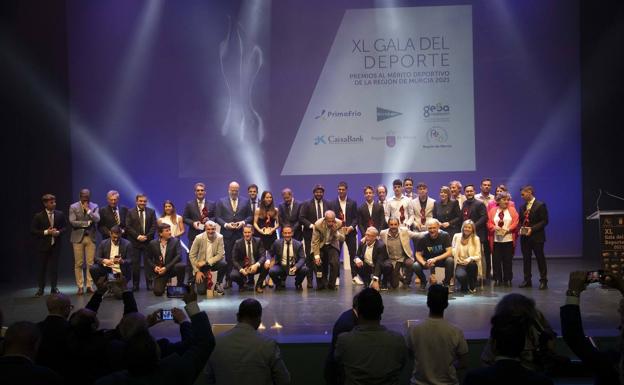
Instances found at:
x=383 y=287
x=543 y=285
x=219 y=289
x=259 y=290
x=298 y=287
x=39 y=293
x=80 y=291
x=526 y=284
x=54 y=291
x=90 y=290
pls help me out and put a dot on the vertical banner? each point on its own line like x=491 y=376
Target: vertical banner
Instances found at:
x=612 y=242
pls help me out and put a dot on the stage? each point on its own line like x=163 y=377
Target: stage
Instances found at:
x=308 y=316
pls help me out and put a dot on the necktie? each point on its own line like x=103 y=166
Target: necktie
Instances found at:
x=423 y=219
x=234 y=205
x=204 y=214
x=318 y=210
x=288 y=261
x=249 y=255
x=51 y=220
x=466 y=213
x=142 y=220
x=526 y=222
x=289 y=211
x=116 y=215
x=253 y=206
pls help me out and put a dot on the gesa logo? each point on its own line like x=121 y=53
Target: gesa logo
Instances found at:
x=437 y=109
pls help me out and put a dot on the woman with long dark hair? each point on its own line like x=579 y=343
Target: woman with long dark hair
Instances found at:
x=266 y=220
x=170 y=217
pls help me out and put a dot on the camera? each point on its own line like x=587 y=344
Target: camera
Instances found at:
x=595 y=276
x=177 y=291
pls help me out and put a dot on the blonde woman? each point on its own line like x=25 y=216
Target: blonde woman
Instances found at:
x=467 y=254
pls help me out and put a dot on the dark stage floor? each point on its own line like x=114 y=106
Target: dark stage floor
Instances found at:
x=309 y=316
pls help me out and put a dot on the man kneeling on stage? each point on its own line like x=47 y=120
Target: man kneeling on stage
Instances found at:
x=434 y=250
x=248 y=260
x=326 y=249
x=163 y=258
x=289 y=260
x=208 y=255
x=112 y=257
x=372 y=261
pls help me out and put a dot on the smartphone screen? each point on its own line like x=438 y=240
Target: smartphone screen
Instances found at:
x=177 y=291
x=166 y=315
x=594 y=276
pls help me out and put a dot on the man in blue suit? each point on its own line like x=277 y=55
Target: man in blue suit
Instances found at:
x=232 y=213
x=112 y=256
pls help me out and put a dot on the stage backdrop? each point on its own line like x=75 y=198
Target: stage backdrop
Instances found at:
x=295 y=93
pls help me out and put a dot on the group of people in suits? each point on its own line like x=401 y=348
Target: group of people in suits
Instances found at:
x=236 y=238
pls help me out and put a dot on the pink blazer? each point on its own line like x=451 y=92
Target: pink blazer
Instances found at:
x=491 y=224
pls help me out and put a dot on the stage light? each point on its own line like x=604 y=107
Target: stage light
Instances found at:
x=276 y=326
x=261 y=327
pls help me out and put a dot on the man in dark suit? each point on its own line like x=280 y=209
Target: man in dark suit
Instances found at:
x=533 y=219
x=372 y=259
x=55 y=329
x=112 y=257
x=289 y=213
x=140 y=228
x=164 y=257
x=476 y=211
x=346 y=210
x=197 y=212
x=289 y=260
x=47 y=226
x=508 y=336
x=370 y=213
x=21 y=343
x=252 y=198
x=232 y=214
x=248 y=260
x=112 y=215
x=311 y=211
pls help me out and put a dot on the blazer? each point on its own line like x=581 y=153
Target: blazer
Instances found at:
x=405 y=236
x=79 y=221
x=200 y=248
x=244 y=356
x=225 y=214
x=40 y=223
x=380 y=254
x=133 y=226
x=322 y=235
x=351 y=213
x=240 y=251
x=449 y=213
x=307 y=215
x=107 y=220
x=103 y=250
x=477 y=213
x=491 y=224
x=538 y=219
x=277 y=251
x=292 y=219
x=173 y=253
x=378 y=217
x=413 y=211
x=192 y=215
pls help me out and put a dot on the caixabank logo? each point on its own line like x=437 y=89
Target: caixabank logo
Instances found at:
x=338 y=139
x=328 y=114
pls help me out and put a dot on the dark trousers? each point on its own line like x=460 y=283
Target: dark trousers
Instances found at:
x=467 y=275
x=220 y=267
x=279 y=274
x=137 y=253
x=98 y=270
x=49 y=263
x=448 y=264
x=401 y=271
x=351 y=241
x=529 y=247
x=160 y=281
x=487 y=254
x=236 y=276
x=228 y=246
x=501 y=261
x=309 y=260
x=367 y=270
x=330 y=264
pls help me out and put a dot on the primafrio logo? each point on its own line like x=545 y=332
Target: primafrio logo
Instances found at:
x=337 y=139
x=436 y=110
x=327 y=114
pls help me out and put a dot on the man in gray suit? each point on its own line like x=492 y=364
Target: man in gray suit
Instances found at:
x=242 y=356
x=83 y=217
x=207 y=255
x=326 y=249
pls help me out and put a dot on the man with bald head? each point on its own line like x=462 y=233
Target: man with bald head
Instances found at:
x=54 y=331
x=372 y=261
x=326 y=250
x=232 y=213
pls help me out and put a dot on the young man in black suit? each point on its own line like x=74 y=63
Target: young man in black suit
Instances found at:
x=163 y=259
x=346 y=210
x=112 y=215
x=47 y=226
x=248 y=260
x=112 y=257
x=311 y=211
x=140 y=228
x=289 y=211
x=533 y=220
x=289 y=260
x=370 y=213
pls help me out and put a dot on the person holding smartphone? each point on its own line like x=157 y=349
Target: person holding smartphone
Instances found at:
x=112 y=256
